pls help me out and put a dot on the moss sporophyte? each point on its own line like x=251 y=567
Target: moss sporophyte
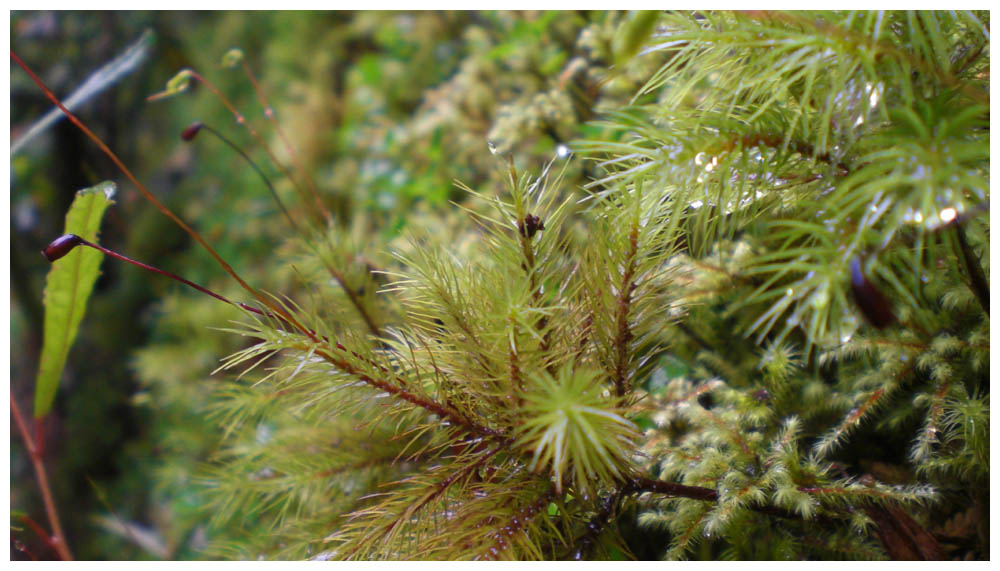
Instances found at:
x=715 y=329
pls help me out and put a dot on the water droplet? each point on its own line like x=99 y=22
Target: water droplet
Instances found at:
x=492 y=147
x=873 y=98
x=263 y=434
x=562 y=150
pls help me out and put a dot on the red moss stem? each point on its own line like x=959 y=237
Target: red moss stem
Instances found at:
x=321 y=209
x=269 y=113
x=58 y=538
x=149 y=195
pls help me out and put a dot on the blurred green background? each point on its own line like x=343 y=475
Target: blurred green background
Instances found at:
x=386 y=110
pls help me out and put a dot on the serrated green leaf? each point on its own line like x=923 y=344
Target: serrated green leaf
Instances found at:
x=67 y=288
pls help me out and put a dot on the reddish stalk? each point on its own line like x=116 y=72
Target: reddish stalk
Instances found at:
x=256 y=137
x=320 y=208
x=64 y=244
x=192 y=131
x=428 y=404
x=39 y=531
x=269 y=113
x=58 y=538
x=624 y=333
x=353 y=296
x=150 y=197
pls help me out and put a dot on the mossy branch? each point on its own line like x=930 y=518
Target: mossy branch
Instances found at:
x=623 y=336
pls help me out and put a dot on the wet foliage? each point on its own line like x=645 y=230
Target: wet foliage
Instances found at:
x=532 y=285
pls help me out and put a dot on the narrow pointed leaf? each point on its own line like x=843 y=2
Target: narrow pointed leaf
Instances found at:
x=67 y=288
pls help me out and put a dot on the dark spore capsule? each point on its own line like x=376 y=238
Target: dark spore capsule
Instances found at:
x=61 y=246
x=192 y=130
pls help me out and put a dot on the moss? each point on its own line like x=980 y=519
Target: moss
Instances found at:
x=663 y=346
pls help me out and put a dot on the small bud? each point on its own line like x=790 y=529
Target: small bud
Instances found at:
x=191 y=131
x=874 y=306
x=232 y=58
x=530 y=226
x=177 y=84
x=180 y=81
x=61 y=246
